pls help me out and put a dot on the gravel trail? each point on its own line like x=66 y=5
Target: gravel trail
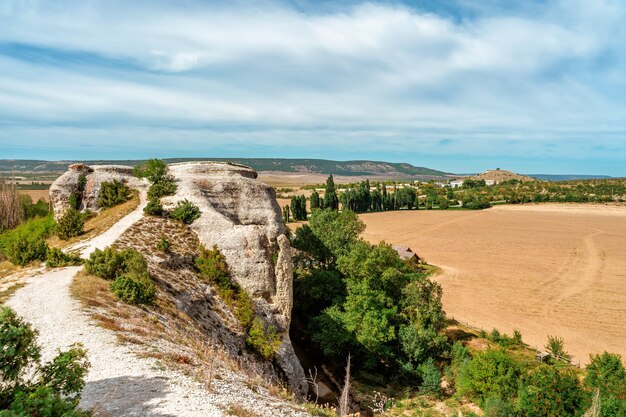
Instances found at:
x=119 y=382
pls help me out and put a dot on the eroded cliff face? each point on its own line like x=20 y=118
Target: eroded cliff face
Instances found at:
x=241 y=216
x=90 y=179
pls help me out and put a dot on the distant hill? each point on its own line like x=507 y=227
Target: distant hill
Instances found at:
x=315 y=166
x=499 y=175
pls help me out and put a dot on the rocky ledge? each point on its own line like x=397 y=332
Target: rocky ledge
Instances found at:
x=85 y=181
x=239 y=214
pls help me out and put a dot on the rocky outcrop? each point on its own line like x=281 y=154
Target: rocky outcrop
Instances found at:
x=241 y=216
x=84 y=183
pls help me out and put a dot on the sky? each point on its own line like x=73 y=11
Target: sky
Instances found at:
x=535 y=86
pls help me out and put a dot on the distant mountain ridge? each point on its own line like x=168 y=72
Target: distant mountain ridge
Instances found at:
x=313 y=166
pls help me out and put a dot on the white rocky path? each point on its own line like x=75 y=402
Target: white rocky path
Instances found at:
x=120 y=383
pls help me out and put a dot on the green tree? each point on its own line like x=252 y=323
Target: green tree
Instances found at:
x=337 y=231
x=490 y=374
x=331 y=201
x=315 y=200
x=153 y=169
x=29 y=387
x=556 y=347
x=71 y=224
x=550 y=392
x=431 y=378
x=606 y=373
x=286 y=214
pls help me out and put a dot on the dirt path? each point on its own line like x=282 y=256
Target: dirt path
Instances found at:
x=119 y=382
x=111 y=235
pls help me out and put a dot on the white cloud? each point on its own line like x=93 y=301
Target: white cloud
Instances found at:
x=389 y=71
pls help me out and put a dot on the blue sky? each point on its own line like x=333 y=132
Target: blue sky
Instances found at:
x=461 y=86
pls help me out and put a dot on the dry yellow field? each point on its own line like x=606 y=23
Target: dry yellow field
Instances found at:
x=543 y=269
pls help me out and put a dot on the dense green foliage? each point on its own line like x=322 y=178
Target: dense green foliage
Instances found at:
x=286 y=214
x=33 y=231
x=186 y=212
x=111 y=263
x=155 y=170
x=161 y=188
x=606 y=373
x=490 y=374
x=381 y=309
x=129 y=271
x=76 y=198
x=550 y=392
x=263 y=338
x=330 y=201
x=212 y=264
x=475 y=194
x=152 y=169
x=154 y=207
x=134 y=288
x=57 y=258
x=298 y=208
x=504 y=385
x=315 y=200
x=71 y=224
x=32 y=210
x=113 y=193
x=29 y=387
x=23 y=250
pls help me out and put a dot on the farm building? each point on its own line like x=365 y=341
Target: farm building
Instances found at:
x=406 y=253
x=456 y=183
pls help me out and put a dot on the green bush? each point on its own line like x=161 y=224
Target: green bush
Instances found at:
x=496 y=407
x=113 y=193
x=34 y=229
x=23 y=250
x=186 y=212
x=29 y=387
x=57 y=258
x=606 y=373
x=110 y=263
x=263 y=338
x=161 y=188
x=41 y=402
x=71 y=224
x=134 y=289
x=163 y=245
x=31 y=210
x=153 y=169
x=154 y=207
x=431 y=378
x=548 y=391
x=490 y=374
x=212 y=264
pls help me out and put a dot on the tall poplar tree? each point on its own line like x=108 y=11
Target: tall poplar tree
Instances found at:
x=331 y=200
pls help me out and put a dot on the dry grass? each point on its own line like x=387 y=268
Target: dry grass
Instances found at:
x=7 y=268
x=544 y=270
x=8 y=291
x=100 y=223
x=239 y=411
